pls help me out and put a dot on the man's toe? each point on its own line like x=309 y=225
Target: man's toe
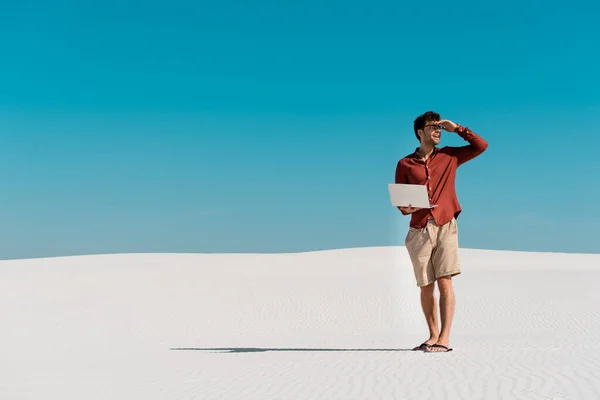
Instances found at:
x=438 y=348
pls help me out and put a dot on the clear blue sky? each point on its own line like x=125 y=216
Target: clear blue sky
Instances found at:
x=270 y=126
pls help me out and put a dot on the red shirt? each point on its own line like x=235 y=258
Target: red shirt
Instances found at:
x=438 y=173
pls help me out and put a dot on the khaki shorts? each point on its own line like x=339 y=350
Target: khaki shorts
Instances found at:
x=433 y=251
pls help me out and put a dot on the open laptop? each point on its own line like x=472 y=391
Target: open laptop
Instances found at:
x=404 y=194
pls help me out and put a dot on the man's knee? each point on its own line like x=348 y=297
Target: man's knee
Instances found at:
x=428 y=290
x=445 y=284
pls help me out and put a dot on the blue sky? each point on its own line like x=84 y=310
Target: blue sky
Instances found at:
x=275 y=127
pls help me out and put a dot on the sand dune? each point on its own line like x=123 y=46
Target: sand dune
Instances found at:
x=320 y=325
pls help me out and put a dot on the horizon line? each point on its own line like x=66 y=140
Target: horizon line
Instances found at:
x=262 y=253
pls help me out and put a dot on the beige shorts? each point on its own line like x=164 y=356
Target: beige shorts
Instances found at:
x=433 y=251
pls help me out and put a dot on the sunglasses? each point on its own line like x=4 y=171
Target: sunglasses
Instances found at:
x=434 y=126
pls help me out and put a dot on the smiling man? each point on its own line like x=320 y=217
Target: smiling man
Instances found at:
x=432 y=239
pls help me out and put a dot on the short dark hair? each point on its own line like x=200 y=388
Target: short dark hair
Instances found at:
x=422 y=119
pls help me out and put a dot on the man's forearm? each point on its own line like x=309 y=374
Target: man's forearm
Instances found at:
x=476 y=146
x=478 y=143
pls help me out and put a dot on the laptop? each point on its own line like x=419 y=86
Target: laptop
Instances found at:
x=403 y=194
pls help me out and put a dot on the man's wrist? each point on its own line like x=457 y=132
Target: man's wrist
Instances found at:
x=459 y=129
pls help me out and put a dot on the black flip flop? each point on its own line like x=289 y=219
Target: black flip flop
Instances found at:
x=422 y=346
x=441 y=346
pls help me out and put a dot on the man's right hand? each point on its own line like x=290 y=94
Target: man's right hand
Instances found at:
x=409 y=209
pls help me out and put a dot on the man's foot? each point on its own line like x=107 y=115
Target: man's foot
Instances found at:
x=425 y=345
x=438 y=348
x=422 y=347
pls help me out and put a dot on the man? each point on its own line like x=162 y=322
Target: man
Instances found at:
x=432 y=239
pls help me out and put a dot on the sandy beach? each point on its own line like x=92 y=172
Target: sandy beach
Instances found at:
x=336 y=324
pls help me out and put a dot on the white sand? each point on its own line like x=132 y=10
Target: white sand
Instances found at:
x=322 y=325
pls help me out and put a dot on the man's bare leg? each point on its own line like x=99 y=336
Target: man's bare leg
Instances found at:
x=430 y=309
x=447 y=302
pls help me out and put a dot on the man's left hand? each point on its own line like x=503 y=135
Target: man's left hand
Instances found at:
x=448 y=125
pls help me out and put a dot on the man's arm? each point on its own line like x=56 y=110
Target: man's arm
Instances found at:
x=476 y=146
x=402 y=178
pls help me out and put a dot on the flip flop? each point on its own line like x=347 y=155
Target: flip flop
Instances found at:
x=441 y=346
x=422 y=346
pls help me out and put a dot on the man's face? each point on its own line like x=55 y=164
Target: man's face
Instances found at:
x=431 y=133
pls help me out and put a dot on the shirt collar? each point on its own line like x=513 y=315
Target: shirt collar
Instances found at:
x=417 y=155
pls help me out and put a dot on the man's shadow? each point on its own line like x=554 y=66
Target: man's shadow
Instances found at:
x=266 y=349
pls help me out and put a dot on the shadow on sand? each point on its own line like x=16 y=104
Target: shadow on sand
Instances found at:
x=261 y=350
